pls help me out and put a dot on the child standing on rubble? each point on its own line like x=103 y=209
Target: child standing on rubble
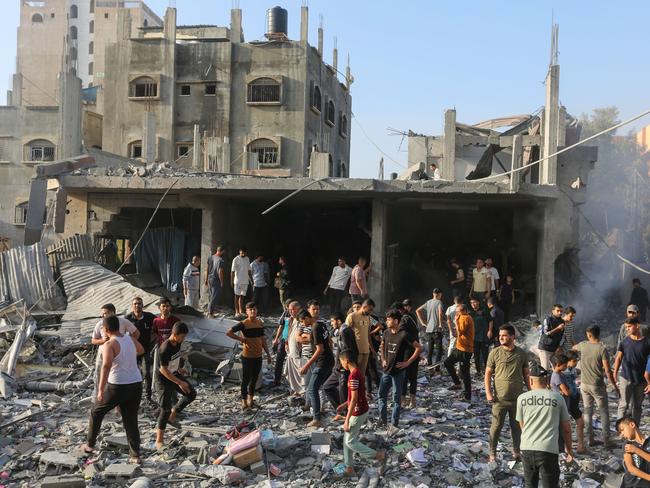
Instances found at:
x=254 y=343
x=357 y=414
x=171 y=380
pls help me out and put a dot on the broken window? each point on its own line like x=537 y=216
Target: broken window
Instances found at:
x=91 y=27
x=92 y=6
x=143 y=87
x=91 y=68
x=186 y=90
x=91 y=47
x=183 y=150
x=135 y=149
x=37 y=18
x=263 y=90
x=20 y=213
x=73 y=53
x=74 y=11
x=73 y=33
x=343 y=124
x=106 y=15
x=266 y=151
x=210 y=89
x=331 y=113
x=316 y=99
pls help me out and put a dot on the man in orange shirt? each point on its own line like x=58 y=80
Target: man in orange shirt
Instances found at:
x=462 y=352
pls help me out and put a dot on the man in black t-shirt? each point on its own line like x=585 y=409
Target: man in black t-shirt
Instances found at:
x=143 y=321
x=637 y=453
x=394 y=361
x=172 y=379
x=409 y=325
x=322 y=361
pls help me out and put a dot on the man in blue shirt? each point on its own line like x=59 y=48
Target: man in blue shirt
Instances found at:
x=632 y=355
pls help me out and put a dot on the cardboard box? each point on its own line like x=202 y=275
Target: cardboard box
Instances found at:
x=245 y=458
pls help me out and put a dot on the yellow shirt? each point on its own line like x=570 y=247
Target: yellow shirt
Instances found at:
x=481 y=280
x=360 y=324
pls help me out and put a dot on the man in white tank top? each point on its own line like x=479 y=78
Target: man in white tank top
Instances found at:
x=120 y=384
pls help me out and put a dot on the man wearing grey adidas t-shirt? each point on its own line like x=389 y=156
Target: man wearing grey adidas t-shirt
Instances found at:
x=541 y=413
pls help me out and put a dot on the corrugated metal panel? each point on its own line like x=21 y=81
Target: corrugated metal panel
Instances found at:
x=79 y=246
x=25 y=273
x=89 y=285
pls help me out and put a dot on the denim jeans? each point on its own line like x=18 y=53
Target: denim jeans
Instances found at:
x=396 y=381
x=318 y=377
x=631 y=399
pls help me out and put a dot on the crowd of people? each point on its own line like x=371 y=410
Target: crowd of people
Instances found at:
x=340 y=358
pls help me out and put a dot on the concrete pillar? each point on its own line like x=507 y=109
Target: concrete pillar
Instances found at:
x=60 y=204
x=320 y=41
x=515 y=178
x=170 y=24
x=376 y=288
x=123 y=24
x=348 y=76
x=35 y=211
x=208 y=245
x=197 y=159
x=304 y=23
x=149 y=137
x=548 y=168
x=16 y=91
x=561 y=129
x=546 y=255
x=235 y=26
x=449 y=146
x=69 y=115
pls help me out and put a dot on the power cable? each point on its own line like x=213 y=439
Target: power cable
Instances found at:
x=373 y=142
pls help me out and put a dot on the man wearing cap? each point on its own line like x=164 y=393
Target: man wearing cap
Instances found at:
x=541 y=414
x=639 y=297
x=632 y=312
x=430 y=316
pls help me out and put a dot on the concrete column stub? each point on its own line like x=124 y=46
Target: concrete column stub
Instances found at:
x=449 y=146
x=376 y=288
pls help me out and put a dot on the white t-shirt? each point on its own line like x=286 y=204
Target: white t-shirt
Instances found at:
x=494 y=274
x=240 y=266
x=437 y=176
x=340 y=277
x=125 y=326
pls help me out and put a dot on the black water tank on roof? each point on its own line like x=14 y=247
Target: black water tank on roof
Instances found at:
x=277 y=20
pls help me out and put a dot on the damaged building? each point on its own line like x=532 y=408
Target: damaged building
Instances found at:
x=154 y=91
x=488 y=203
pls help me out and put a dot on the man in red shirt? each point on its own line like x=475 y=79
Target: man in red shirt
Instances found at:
x=357 y=414
x=162 y=325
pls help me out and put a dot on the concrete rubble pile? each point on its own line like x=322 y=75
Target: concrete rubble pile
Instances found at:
x=441 y=443
x=141 y=169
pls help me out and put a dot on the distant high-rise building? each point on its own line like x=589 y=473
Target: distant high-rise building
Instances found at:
x=67 y=35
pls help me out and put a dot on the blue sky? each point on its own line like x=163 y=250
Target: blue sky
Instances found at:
x=413 y=59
